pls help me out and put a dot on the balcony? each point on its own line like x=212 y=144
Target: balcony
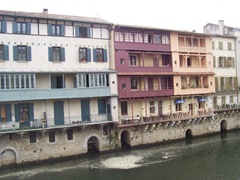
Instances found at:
x=39 y=94
x=42 y=124
x=142 y=94
x=194 y=90
x=192 y=49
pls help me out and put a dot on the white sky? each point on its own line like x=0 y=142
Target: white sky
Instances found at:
x=170 y=14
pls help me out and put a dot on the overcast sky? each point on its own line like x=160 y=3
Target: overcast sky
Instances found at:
x=170 y=14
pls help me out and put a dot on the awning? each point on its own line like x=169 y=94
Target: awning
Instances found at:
x=179 y=101
x=202 y=99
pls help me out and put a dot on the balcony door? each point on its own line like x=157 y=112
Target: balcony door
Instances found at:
x=150 y=83
x=85 y=109
x=58 y=113
x=159 y=108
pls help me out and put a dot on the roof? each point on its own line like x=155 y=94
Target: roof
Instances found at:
x=160 y=29
x=45 y=15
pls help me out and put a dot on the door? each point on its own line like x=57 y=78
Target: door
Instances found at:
x=190 y=108
x=159 y=108
x=85 y=109
x=150 y=83
x=58 y=113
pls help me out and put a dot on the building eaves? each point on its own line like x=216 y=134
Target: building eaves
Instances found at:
x=53 y=16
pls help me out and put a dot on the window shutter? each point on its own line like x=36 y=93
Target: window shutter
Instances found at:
x=235 y=83
x=104 y=55
x=88 y=32
x=62 y=30
x=227 y=86
x=214 y=61
x=15 y=57
x=14 y=25
x=62 y=54
x=8 y=112
x=5 y=53
x=77 y=34
x=29 y=53
x=28 y=28
x=50 y=54
x=101 y=106
x=94 y=55
x=233 y=62
x=0 y=114
x=17 y=112
x=225 y=62
x=49 y=29
x=30 y=112
x=4 y=26
x=88 y=55
x=216 y=84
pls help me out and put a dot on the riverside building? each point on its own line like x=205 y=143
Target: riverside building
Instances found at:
x=58 y=95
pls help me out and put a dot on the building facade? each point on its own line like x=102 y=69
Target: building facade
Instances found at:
x=55 y=77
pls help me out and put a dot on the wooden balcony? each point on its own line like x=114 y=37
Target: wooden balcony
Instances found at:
x=147 y=93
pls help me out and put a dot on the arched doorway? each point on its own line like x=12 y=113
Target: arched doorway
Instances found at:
x=125 y=140
x=93 y=145
x=223 y=126
x=188 y=134
x=8 y=157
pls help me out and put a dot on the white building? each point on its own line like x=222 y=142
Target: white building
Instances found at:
x=55 y=71
x=226 y=64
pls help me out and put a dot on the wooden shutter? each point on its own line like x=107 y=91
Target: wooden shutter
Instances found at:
x=8 y=112
x=28 y=28
x=30 y=112
x=77 y=34
x=29 y=53
x=17 y=112
x=104 y=55
x=62 y=30
x=49 y=29
x=4 y=26
x=88 y=55
x=216 y=84
x=62 y=54
x=15 y=56
x=14 y=26
x=94 y=55
x=5 y=53
x=50 y=54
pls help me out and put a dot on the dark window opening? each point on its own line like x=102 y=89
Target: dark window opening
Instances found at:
x=51 y=136
x=70 y=134
x=32 y=137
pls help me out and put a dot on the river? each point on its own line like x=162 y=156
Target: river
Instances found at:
x=216 y=157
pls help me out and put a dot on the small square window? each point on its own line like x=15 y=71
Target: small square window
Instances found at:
x=123 y=86
x=122 y=61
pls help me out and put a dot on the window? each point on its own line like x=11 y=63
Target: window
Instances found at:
x=123 y=86
x=56 y=54
x=24 y=112
x=178 y=107
x=84 y=55
x=5 y=113
x=4 y=52
x=138 y=37
x=213 y=45
x=21 y=28
x=221 y=62
x=152 y=107
x=134 y=83
x=70 y=134
x=56 y=30
x=165 y=39
x=85 y=32
x=133 y=60
x=15 y=81
x=92 y=80
x=231 y=99
x=124 y=109
x=100 y=55
x=229 y=46
x=220 y=45
x=21 y=53
x=33 y=136
x=51 y=136
x=188 y=41
x=122 y=61
x=102 y=106
x=128 y=37
x=156 y=39
x=3 y=26
x=118 y=36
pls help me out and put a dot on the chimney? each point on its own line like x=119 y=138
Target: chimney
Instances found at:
x=45 y=11
x=221 y=27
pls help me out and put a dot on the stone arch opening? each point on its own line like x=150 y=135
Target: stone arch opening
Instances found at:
x=8 y=157
x=125 y=140
x=93 y=145
x=189 y=134
x=223 y=126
